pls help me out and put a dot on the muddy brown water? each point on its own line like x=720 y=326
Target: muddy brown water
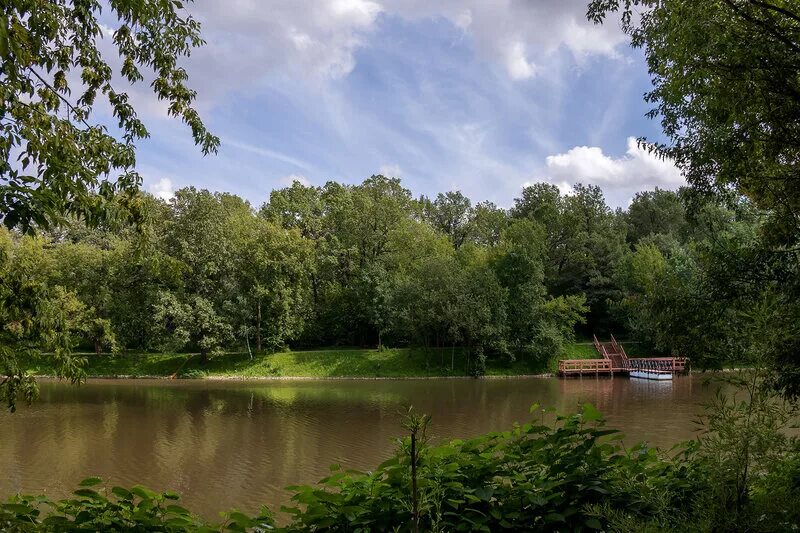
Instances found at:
x=224 y=444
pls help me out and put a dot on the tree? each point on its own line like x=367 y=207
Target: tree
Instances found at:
x=725 y=87
x=102 y=335
x=585 y=241
x=140 y=270
x=34 y=316
x=726 y=90
x=365 y=222
x=450 y=213
x=655 y=212
x=272 y=267
x=488 y=223
x=193 y=323
x=66 y=155
x=57 y=156
x=537 y=325
x=539 y=202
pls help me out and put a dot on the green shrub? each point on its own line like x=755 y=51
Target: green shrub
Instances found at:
x=534 y=476
x=120 y=509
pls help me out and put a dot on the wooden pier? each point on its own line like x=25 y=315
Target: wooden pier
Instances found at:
x=614 y=360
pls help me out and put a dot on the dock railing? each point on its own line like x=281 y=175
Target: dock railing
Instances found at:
x=672 y=364
x=618 y=348
x=584 y=366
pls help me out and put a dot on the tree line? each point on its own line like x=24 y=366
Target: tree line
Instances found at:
x=370 y=264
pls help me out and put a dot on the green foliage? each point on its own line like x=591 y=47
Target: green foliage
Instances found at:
x=539 y=475
x=34 y=317
x=193 y=324
x=726 y=90
x=744 y=452
x=704 y=299
x=119 y=509
x=570 y=473
x=585 y=241
x=55 y=161
x=451 y=213
x=656 y=212
x=363 y=265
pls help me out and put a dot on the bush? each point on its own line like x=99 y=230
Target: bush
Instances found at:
x=135 y=509
x=532 y=477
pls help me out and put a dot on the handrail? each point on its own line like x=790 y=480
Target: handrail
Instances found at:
x=661 y=363
x=584 y=365
x=609 y=365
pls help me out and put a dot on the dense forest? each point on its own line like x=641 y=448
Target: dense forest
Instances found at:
x=370 y=265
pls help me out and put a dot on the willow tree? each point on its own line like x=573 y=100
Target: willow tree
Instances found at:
x=60 y=156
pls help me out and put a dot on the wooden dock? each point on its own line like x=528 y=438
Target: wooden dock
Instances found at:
x=613 y=360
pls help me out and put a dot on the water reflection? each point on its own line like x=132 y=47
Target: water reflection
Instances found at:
x=222 y=444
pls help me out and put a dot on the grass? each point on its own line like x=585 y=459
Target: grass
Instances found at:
x=323 y=363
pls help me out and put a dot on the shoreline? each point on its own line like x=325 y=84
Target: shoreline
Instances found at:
x=299 y=378
x=213 y=378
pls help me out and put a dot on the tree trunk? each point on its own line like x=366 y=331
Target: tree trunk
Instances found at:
x=441 y=352
x=203 y=357
x=452 y=357
x=258 y=327
x=97 y=347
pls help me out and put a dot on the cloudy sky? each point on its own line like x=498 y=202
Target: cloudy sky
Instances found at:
x=473 y=95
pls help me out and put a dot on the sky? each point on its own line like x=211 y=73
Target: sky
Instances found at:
x=471 y=95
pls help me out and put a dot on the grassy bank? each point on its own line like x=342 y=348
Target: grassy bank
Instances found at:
x=334 y=362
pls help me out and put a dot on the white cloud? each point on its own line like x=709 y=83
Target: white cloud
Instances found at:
x=519 y=68
x=290 y=56
x=637 y=170
x=163 y=189
x=287 y=181
x=391 y=171
x=250 y=43
x=521 y=36
x=250 y=40
x=265 y=152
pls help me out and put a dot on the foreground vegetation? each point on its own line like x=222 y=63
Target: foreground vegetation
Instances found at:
x=335 y=362
x=555 y=473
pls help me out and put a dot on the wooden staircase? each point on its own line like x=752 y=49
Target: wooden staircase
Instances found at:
x=614 y=352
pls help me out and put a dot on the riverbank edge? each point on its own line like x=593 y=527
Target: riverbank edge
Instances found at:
x=300 y=378
x=341 y=378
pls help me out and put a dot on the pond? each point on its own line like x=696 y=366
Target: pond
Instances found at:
x=222 y=444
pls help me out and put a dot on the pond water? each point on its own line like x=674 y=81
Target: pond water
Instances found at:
x=222 y=444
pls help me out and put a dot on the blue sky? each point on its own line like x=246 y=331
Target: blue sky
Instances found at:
x=473 y=95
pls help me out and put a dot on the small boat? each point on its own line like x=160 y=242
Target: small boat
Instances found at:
x=651 y=374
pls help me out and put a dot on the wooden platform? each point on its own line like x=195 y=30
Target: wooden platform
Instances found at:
x=614 y=360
